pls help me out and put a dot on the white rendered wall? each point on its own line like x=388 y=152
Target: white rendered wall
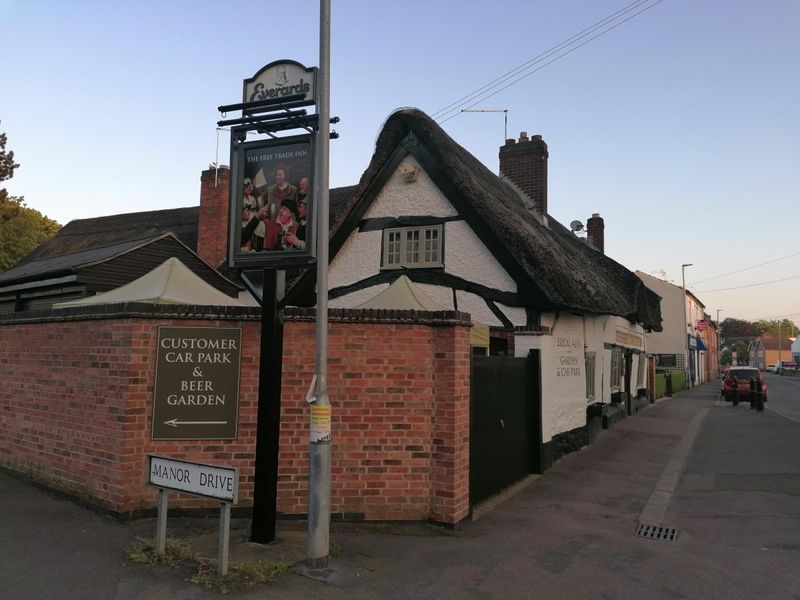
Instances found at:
x=563 y=377
x=672 y=339
x=465 y=255
x=477 y=308
x=358 y=259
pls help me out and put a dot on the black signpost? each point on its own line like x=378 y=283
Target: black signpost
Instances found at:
x=272 y=227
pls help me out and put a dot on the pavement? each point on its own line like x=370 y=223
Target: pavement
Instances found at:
x=726 y=478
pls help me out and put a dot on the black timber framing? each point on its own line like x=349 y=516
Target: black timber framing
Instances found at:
x=433 y=277
x=528 y=293
x=381 y=223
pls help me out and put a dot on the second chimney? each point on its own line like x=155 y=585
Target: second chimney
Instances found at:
x=595 y=232
x=524 y=163
x=212 y=226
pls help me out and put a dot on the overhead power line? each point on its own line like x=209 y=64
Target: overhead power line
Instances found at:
x=769 y=262
x=480 y=95
x=739 y=287
x=516 y=70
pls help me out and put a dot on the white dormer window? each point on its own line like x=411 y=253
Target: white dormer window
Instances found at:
x=412 y=247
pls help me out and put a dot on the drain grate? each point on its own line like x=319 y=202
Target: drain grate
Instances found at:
x=656 y=532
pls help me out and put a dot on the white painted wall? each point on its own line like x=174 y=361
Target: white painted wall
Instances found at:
x=672 y=339
x=465 y=255
x=564 y=378
x=564 y=398
x=477 y=308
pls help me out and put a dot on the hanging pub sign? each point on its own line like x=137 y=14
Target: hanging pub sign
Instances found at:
x=272 y=215
x=280 y=79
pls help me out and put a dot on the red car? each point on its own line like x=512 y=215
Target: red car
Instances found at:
x=739 y=378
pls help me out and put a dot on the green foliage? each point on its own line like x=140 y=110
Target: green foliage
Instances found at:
x=786 y=326
x=678 y=381
x=661 y=385
x=21 y=228
x=733 y=328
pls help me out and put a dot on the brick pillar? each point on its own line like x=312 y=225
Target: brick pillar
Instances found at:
x=525 y=164
x=595 y=232
x=212 y=226
x=450 y=447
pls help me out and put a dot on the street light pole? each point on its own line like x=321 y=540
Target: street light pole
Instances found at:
x=686 y=322
x=719 y=344
x=319 y=477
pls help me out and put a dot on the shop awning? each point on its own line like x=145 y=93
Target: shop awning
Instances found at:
x=701 y=347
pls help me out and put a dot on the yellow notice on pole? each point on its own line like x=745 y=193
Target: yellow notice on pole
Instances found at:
x=320 y=430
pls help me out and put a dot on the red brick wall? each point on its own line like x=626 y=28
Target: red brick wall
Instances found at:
x=76 y=409
x=212 y=227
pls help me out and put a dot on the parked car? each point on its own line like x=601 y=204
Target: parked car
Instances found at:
x=739 y=378
x=772 y=368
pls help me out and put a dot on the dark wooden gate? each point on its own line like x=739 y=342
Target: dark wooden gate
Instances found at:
x=505 y=422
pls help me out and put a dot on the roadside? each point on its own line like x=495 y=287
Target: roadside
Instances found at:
x=570 y=534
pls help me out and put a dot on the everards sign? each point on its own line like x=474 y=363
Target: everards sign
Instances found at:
x=196 y=393
x=281 y=79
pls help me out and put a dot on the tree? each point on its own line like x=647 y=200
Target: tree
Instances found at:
x=21 y=228
x=787 y=327
x=734 y=328
x=742 y=355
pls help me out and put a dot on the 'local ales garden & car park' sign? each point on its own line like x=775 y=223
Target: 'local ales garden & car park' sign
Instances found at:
x=196 y=392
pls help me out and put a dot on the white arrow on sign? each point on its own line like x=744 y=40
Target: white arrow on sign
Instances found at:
x=175 y=422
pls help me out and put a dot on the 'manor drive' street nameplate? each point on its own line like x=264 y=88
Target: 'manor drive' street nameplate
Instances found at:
x=196 y=395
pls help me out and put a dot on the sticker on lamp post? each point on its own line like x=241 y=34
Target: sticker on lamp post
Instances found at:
x=320 y=428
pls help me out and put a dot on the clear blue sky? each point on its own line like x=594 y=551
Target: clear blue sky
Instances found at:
x=681 y=127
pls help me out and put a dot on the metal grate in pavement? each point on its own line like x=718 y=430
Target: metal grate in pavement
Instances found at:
x=656 y=532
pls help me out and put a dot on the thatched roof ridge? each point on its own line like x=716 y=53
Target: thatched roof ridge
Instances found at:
x=571 y=274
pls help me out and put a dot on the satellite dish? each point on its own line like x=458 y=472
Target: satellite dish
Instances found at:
x=576 y=226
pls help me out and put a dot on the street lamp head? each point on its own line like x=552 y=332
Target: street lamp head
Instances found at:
x=687 y=265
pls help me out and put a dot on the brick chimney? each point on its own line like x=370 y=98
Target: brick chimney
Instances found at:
x=524 y=163
x=595 y=232
x=212 y=225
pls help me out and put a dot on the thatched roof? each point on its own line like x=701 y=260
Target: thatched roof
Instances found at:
x=563 y=271
x=62 y=263
x=101 y=232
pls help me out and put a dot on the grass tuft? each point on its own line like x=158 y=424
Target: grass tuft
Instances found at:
x=240 y=575
x=143 y=552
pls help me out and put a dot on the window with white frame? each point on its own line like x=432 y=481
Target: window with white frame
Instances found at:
x=412 y=247
x=590 y=361
x=640 y=373
x=616 y=367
